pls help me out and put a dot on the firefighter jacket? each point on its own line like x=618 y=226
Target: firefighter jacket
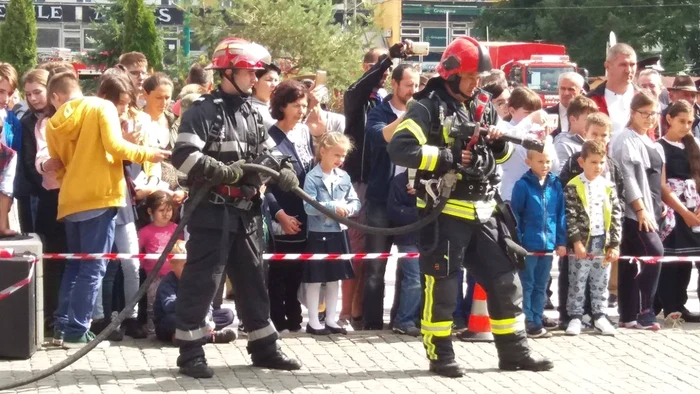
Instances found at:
x=422 y=141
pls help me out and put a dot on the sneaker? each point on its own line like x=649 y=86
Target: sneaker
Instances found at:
x=574 y=327
x=674 y=320
x=538 y=332
x=603 y=326
x=73 y=343
x=630 y=324
x=412 y=331
x=197 y=368
x=226 y=335
x=549 y=323
x=57 y=339
x=647 y=321
x=322 y=317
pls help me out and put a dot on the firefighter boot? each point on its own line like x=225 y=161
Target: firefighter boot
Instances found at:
x=277 y=360
x=197 y=368
x=450 y=369
x=526 y=364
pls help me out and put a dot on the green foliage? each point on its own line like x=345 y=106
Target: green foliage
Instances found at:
x=671 y=31
x=126 y=25
x=302 y=32
x=107 y=35
x=140 y=33
x=18 y=36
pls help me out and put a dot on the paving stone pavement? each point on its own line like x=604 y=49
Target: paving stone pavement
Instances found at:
x=634 y=361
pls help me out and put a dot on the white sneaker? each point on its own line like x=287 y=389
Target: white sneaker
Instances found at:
x=603 y=326
x=574 y=327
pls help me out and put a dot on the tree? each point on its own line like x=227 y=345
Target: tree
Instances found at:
x=668 y=27
x=18 y=36
x=140 y=33
x=109 y=37
x=303 y=33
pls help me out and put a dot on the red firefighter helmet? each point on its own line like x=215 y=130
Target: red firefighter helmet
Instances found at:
x=464 y=55
x=237 y=53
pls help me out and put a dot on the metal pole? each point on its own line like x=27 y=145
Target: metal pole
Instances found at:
x=187 y=35
x=447 y=28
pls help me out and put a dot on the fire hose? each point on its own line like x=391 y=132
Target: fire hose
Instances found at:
x=439 y=190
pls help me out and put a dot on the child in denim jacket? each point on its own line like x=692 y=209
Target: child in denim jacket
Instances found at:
x=330 y=186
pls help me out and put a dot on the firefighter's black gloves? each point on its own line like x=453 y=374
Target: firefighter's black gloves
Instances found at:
x=447 y=160
x=219 y=173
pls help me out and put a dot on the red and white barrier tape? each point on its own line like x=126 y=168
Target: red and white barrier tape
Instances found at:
x=8 y=291
x=349 y=256
x=288 y=256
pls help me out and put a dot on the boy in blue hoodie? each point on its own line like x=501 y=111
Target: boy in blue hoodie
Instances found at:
x=538 y=205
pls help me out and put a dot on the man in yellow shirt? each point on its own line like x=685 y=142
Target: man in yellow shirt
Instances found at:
x=85 y=143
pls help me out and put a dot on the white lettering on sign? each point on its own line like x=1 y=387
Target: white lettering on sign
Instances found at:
x=163 y=15
x=49 y=13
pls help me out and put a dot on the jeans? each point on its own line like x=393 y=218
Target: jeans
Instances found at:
x=534 y=280
x=374 y=270
x=82 y=278
x=410 y=298
x=126 y=241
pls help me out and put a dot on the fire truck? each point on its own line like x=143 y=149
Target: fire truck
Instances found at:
x=535 y=65
x=66 y=55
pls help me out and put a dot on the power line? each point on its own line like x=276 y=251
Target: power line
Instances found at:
x=588 y=7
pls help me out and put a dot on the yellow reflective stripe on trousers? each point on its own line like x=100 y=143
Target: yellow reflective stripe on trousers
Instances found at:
x=428 y=315
x=429 y=158
x=439 y=329
x=507 y=326
x=507 y=156
x=412 y=126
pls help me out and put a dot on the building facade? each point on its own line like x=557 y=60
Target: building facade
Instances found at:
x=439 y=22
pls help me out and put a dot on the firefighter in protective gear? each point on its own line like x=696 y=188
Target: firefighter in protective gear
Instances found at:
x=471 y=230
x=217 y=134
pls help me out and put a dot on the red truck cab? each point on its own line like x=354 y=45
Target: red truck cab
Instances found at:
x=534 y=65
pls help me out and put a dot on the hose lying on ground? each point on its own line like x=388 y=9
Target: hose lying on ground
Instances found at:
x=197 y=198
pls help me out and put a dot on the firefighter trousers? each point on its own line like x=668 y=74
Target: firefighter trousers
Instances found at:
x=480 y=248
x=199 y=283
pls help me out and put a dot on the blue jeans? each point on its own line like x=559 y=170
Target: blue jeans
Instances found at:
x=410 y=298
x=534 y=280
x=82 y=278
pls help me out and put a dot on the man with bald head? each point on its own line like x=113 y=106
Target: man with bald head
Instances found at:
x=570 y=85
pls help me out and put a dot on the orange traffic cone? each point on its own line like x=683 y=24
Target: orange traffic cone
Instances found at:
x=479 y=327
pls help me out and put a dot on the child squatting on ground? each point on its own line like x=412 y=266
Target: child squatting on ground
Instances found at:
x=538 y=204
x=330 y=186
x=593 y=219
x=166 y=300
